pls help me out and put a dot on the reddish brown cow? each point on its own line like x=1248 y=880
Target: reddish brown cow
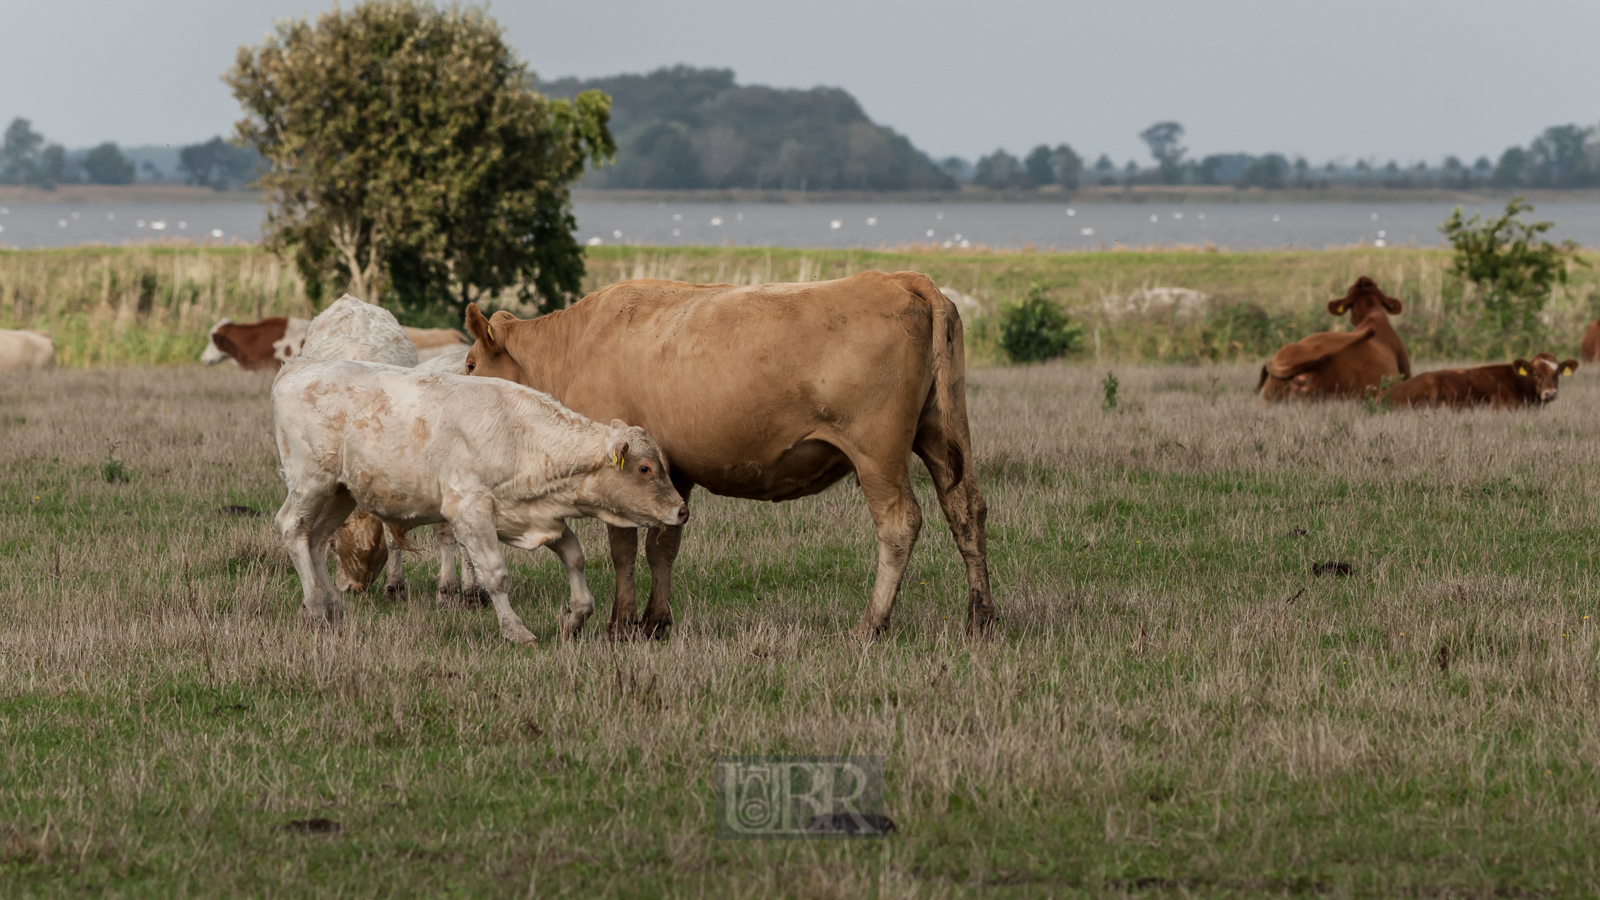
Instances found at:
x=1341 y=364
x=1505 y=386
x=1591 y=342
x=769 y=392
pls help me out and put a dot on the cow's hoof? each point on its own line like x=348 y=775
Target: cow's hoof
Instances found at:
x=395 y=593
x=626 y=630
x=656 y=629
x=475 y=598
x=449 y=598
x=868 y=631
x=570 y=625
x=519 y=635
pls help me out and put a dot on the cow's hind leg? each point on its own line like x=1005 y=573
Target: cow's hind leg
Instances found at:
x=625 y=601
x=580 y=603
x=967 y=514
x=465 y=592
x=448 y=592
x=898 y=520
x=394 y=578
x=307 y=520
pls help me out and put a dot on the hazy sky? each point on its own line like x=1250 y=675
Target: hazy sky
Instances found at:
x=1407 y=80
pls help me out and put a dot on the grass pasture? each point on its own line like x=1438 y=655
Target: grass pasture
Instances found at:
x=1173 y=705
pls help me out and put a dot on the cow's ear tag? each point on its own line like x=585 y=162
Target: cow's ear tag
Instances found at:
x=616 y=459
x=489 y=328
x=1339 y=311
x=1566 y=370
x=1522 y=371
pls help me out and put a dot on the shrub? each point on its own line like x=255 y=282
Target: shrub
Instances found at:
x=1513 y=268
x=1036 y=330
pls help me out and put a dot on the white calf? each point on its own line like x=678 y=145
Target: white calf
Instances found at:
x=498 y=461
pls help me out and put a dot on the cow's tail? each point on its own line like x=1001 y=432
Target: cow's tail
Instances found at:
x=949 y=372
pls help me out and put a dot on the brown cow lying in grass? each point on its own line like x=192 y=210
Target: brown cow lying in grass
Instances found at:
x=1505 y=386
x=1341 y=364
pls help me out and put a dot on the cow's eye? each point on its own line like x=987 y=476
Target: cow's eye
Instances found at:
x=470 y=367
x=644 y=468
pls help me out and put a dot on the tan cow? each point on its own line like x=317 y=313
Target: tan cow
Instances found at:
x=26 y=351
x=431 y=342
x=496 y=460
x=1332 y=364
x=769 y=392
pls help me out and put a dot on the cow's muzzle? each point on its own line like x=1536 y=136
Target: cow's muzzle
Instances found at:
x=680 y=516
x=1547 y=396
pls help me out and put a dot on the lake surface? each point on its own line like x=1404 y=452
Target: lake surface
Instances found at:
x=870 y=225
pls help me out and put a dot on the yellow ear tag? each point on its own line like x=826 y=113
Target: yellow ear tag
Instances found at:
x=616 y=460
x=1522 y=371
x=1339 y=311
x=489 y=328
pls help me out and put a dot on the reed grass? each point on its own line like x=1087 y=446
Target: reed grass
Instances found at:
x=153 y=305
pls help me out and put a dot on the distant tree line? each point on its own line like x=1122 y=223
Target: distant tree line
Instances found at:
x=1561 y=157
x=696 y=128
x=27 y=158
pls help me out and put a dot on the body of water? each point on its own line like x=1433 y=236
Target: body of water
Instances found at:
x=869 y=225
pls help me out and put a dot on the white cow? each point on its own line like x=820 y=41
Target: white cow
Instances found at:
x=352 y=329
x=498 y=461
x=25 y=351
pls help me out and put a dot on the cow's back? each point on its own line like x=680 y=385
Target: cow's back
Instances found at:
x=1355 y=371
x=718 y=373
x=351 y=329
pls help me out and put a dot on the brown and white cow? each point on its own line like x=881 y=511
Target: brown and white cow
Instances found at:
x=26 y=351
x=1505 y=386
x=263 y=345
x=496 y=460
x=769 y=392
x=1349 y=364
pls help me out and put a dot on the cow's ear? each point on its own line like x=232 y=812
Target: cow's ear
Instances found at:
x=1522 y=367
x=1568 y=367
x=617 y=447
x=1337 y=307
x=1392 y=304
x=480 y=329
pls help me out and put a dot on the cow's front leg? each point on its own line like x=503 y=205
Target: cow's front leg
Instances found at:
x=477 y=537
x=625 y=605
x=580 y=603
x=660 y=548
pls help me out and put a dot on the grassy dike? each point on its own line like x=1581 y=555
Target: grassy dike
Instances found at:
x=152 y=306
x=1173 y=704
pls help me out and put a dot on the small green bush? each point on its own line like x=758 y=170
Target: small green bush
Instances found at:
x=1037 y=329
x=1513 y=267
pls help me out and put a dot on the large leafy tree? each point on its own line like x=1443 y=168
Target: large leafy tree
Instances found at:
x=411 y=158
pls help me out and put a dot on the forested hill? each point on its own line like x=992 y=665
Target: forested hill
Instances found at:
x=695 y=128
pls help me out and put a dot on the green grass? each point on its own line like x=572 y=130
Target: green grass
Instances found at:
x=1173 y=704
